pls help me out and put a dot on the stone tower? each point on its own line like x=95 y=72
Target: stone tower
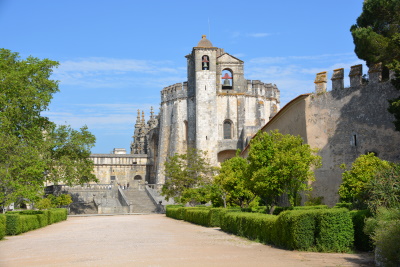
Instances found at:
x=217 y=110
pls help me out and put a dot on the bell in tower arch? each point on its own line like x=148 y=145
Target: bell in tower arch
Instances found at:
x=227 y=82
x=205 y=62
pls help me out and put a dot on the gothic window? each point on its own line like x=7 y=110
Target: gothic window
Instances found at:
x=227 y=129
x=227 y=80
x=205 y=62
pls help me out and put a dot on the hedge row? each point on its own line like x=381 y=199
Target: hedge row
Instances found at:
x=321 y=229
x=2 y=226
x=23 y=221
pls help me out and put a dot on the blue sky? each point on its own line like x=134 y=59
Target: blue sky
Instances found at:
x=116 y=56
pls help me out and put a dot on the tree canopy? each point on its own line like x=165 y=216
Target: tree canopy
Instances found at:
x=280 y=164
x=356 y=179
x=187 y=177
x=231 y=182
x=30 y=144
x=376 y=36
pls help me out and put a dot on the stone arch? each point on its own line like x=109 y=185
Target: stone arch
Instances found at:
x=225 y=155
x=137 y=178
x=227 y=129
x=227 y=79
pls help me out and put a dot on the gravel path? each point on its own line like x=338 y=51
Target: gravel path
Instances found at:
x=151 y=240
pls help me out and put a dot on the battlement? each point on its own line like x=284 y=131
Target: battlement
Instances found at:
x=256 y=87
x=175 y=91
x=356 y=76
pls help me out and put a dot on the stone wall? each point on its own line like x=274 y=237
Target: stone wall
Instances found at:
x=119 y=168
x=343 y=123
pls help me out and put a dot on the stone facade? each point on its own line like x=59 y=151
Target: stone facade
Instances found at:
x=343 y=123
x=216 y=110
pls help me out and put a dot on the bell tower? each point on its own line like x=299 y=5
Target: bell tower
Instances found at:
x=202 y=98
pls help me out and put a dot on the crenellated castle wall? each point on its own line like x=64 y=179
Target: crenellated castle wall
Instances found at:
x=343 y=123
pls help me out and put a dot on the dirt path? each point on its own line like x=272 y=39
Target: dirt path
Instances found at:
x=150 y=240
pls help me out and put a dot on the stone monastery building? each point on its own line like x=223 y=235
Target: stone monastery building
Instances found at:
x=216 y=110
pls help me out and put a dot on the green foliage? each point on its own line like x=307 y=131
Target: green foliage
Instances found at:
x=30 y=144
x=2 y=226
x=231 y=183
x=323 y=229
x=17 y=224
x=356 y=179
x=198 y=216
x=280 y=164
x=254 y=226
x=346 y=205
x=383 y=190
x=384 y=229
x=57 y=215
x=362 y=241
x=188 y=177
x=295 y=230
x=25 y=91
x=43 y=204
x=68 y=155
x=377 y=39
x=335 y=231
x=314 y=201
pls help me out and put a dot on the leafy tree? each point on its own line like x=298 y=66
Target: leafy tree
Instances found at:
x=383 y=190
x=355 y=180
x=280 y=164
x=231 y=182
x=187 y=175
x=376 y=37
x=30 y=144
x=25 y=91
x=68 y=155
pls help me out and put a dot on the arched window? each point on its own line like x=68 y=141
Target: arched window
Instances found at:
x=227 y=79
x=137 y=177
x=205 y=62
x=227 y=129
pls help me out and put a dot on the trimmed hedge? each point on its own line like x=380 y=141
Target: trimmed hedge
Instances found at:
x=255 y=226
x=335 y=231
x=315 y=229
x=198 y=216
x=362 y=241
x=295 y=229
x=18 y=222
x=2 y=226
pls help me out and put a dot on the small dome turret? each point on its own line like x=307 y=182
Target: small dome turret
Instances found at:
x=204 y=42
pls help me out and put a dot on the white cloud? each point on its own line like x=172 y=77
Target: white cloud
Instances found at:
x=258 y=35
x=116 y=73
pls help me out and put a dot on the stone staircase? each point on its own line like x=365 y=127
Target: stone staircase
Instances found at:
x=141 y=202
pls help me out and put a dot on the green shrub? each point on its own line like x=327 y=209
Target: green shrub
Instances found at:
x=317 y=207
x=335 y=231
x=295 y=229
x=198 y=216
x=215 y=216
x=174 y=211
x=279 y=209
x=346 y=205
x=362 y=241
x=17 y=224
x=13 y=224
x=2 y=226
x=385 y=233
x=57 y=215
x=43 y=204
x=255 y=226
